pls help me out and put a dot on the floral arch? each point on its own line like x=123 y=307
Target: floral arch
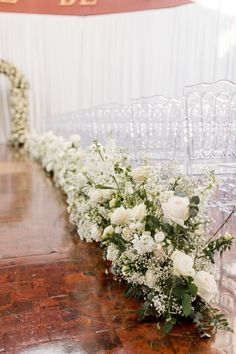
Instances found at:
x=18 y=103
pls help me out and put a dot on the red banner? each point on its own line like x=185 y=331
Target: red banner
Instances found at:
x=84 y=7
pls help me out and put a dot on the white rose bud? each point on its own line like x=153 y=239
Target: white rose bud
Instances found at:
x=159 y=237
x=182 y=264
x=96 y=196
x=118 y=230
x=109 y=230
x=176 y=209
x=120 y=216
x=139 y=212
x=107 y=193
x=112 y=203
x=206 y=284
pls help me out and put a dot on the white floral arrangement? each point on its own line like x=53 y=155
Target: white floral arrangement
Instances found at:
x=151 y=223
x=18 y=103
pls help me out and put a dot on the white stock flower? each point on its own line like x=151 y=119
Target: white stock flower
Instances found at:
x=96 y=233
x=112 y=253
x=76 y=140
x=159 y=237
x=143 y=244
x=139 y=212
x=176 y=209
x=120 y=216
x=139 y=174
x=182 y=264
x=206 y=284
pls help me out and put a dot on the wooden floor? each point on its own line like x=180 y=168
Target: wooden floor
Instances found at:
x=54 y=294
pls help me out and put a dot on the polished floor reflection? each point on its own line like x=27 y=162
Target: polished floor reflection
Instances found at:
x=54 y=294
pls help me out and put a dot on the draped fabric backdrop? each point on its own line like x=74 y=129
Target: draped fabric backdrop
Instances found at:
x=77 y=62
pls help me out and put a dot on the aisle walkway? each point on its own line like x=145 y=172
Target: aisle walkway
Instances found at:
x=54 y=294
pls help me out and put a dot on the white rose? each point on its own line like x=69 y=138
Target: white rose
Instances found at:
x=120 y=216
x=127 y=233
x=139 y=212
x=139 y=174
x=96 y=233
x=176 y=209
x=182 y=264
x=206 y=284
x=159 y=237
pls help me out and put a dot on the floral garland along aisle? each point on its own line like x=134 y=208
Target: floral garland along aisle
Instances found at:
x=18 y=103
x=151 y=224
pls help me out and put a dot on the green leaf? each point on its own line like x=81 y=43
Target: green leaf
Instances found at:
x=168 y=326
x=168 y=229
x=179 y=291
x=153 y=222
x=193 y=211
x=118 y=241
x=100 y=186
x=186 y=304
x=195 y=200
x=192 y=289
x=179 y=194
x=143 y=311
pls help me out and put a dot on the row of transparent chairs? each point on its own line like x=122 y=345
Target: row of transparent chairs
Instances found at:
x=200 y=130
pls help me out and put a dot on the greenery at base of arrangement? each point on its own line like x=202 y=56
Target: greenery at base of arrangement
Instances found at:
x=206 y=319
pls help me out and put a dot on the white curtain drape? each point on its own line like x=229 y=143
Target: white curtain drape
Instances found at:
x=76 y=62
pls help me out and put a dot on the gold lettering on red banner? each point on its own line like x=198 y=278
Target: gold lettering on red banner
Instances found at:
x=9 y=1
x=88 y=2
x=67 y=2
x=72 y=2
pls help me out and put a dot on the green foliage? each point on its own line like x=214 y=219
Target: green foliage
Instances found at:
x=117 y=240
x=168 y=325
x=220 y=245
x=186 y=303
x=135 y=290
x=152 y=222
x=208 y=320
x=100 y=186
x=144 y=310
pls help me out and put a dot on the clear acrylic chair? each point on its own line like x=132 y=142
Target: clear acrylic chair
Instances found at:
x=210 y=133
x=210 y=126
x=158 y=128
